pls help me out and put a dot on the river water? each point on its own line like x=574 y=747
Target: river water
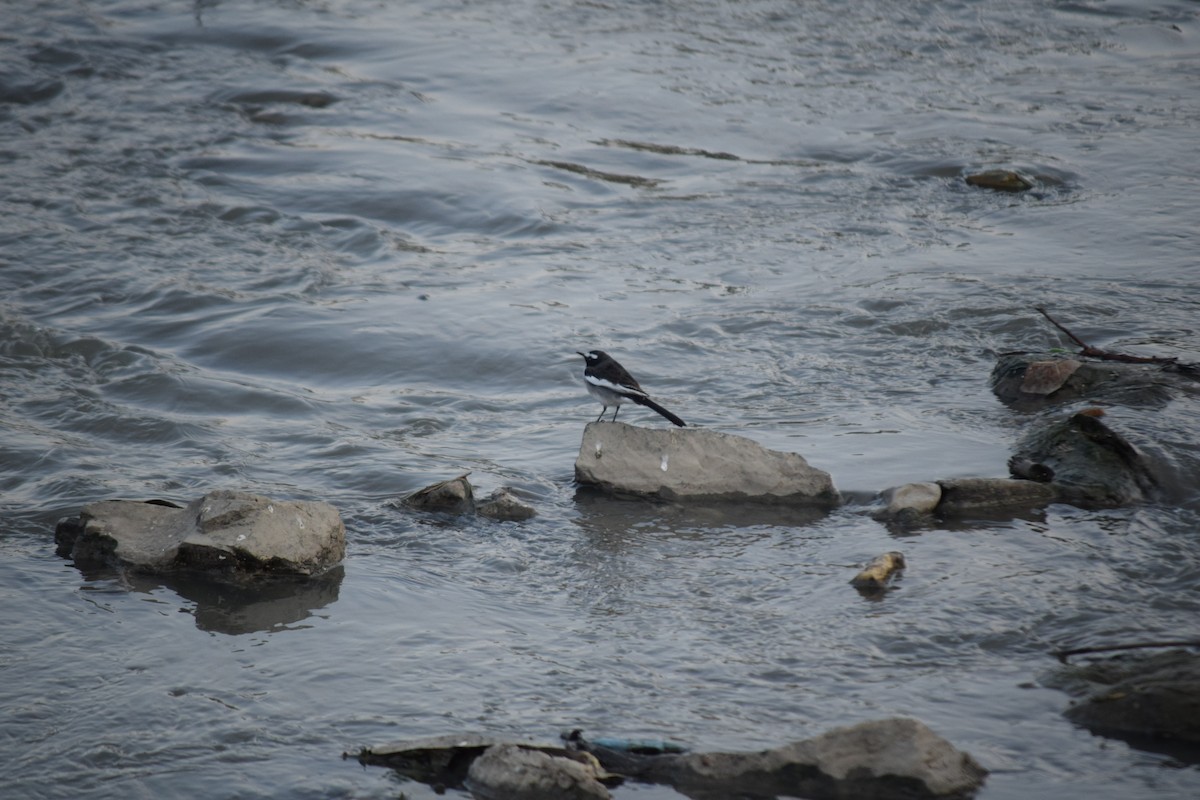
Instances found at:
x=342 y=249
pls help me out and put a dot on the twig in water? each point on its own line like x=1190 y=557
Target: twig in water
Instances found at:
x=1096 y=352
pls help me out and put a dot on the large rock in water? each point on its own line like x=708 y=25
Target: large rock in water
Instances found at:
x=229 y=531
x=696 y=463
x=1156 y=697
x=1087 y=462
x=890 y=759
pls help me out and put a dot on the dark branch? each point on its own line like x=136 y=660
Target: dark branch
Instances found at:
x=1096 y=352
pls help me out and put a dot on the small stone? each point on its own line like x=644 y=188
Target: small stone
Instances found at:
x=879 y=571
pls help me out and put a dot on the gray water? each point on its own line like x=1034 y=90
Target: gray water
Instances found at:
x=340 y=250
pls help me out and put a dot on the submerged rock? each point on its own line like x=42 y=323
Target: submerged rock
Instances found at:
x=696 y=463
x=1000 y=180
x=1155 y=697
x=880 y=760
x=233 y=532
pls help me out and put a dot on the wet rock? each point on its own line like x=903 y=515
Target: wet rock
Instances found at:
x=912 y=499
x=233 y=532
x=961 y=495
x=1047 y=377
x=440 y=761
x=1000 y=180
x=492 y=768
x=898 y=759
x=513 y=772
x=1027 y=470
x=457 y=497
x=875 y=576
x=1091 y=464
x=696 y=463
x=880 y=760
x=1077 y=459
x=454 y=496
x=1033 y=380
x=503 y=506
x=1156 y=697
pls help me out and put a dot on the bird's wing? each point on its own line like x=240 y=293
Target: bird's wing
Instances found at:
x=619 y=388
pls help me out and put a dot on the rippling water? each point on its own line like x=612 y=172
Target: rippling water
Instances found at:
x=341 y=249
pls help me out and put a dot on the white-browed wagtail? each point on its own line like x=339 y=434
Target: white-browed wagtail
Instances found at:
x=612 y=385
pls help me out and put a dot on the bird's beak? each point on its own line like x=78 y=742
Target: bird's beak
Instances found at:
x=579 y=354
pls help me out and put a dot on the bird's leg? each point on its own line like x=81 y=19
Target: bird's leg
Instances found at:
x=615 y=410
x=602 y=411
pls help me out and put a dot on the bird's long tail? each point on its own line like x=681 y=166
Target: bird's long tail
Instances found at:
x=648 y=403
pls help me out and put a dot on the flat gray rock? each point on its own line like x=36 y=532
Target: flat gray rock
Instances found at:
x=696 y=463
x=225 y=530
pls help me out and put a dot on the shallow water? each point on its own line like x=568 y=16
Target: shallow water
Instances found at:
x=341 y=250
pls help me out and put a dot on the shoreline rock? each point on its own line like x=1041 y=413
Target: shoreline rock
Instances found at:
x=889 y=759
x=875 y=760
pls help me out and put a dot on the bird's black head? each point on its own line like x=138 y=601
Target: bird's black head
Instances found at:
x=593 y=357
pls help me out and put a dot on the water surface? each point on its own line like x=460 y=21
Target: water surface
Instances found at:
x=341 y=250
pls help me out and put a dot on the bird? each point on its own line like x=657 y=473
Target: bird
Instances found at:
x=611 y=384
